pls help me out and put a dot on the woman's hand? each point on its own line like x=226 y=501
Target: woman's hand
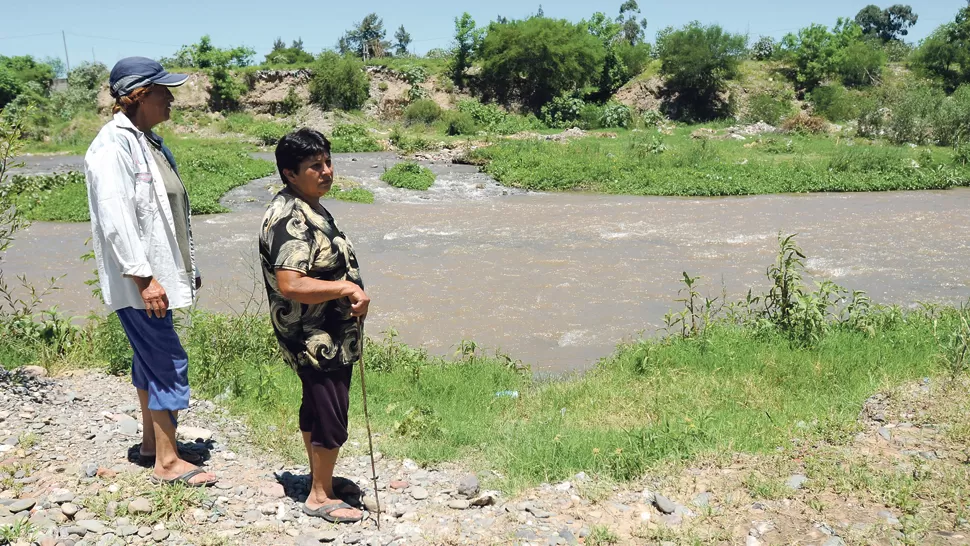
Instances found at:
x=154 y=296
x=359 y=301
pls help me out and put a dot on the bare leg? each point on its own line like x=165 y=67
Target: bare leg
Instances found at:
x=167 y=462
x=321 y=490
x=148 y=425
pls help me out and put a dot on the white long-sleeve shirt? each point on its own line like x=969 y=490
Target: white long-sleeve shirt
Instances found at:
x=131 y=220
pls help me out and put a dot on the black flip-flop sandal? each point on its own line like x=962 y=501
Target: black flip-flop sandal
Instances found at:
x=147 y=461
x=184 y=479
x=326 y=512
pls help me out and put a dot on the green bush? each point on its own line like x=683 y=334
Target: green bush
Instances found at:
x=496 y=120
x=532 y=61
x=763 y=49
x=860 y=63
x=422 y=111
x=410 y=176
x=768 y=107
x=697 y=62
x=459 y=123
x=615 y=114
x=563 y=111
x=834 y=102
x=339 y=82
x=912 y=114
x=951 y=122
x=353 y=138
x=291 y=103
x=409 y=143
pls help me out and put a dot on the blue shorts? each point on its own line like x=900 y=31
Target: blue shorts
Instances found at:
x=160 y=365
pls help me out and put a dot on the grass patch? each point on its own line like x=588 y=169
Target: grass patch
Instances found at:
x=353 y=138
x=409 y=176
x=345 y=189
x=264 y=131
x=208 y=168
x=651 y=163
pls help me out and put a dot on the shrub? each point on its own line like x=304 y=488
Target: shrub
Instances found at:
x=951 y=122
x=494 y=119
x=913 y=111
x=353 y=138
x=804 y=123
x=410 y=176
x=412 y=143
x=382 y=86
x=422 y=111
x=460 y=123
x=291 y=102
x=226 y=89
x=615 y=114
x=563 y=111
x=339 y=82
x=763 y=49
x=768 y=108
x=833 y=102
x=872 y=118
x=535 y=60
x=860 y=63
x=697 y=62
x=268 y=133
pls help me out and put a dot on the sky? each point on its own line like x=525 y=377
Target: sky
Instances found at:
x=107 y=32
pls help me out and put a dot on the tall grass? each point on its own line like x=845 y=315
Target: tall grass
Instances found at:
x=648 y=163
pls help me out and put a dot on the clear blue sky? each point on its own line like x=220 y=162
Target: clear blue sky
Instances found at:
x=108 y=32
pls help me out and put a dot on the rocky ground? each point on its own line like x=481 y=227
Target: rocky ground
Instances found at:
x=65 y=480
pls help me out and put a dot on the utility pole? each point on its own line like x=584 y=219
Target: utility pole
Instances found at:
x=66 y=59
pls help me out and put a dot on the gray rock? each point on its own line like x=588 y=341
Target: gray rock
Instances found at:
x=111 y=509
x=61 y=496
x=128 y=426
x=144 y=531
x=468 y=486
x=110 y=539
x=370 y=503
x=353 y=538
x=92 y=526
x=888 y=517
x=127 y=530
x=21 y=505
x=886 y=435
x=193 y=434
x=306 y=540
x=11 y=441
x=141 y=505
x=69 y=509
x=327 y=536
x=487 y=498
x=89 y=469
x=252 y=516
x=834 y=541
x=419 y=493
x=672 y=520
x=268 y=509
x=664 y=504
x=538 y=513
x=568 y=536
x=702 y=500
x=74 y=530
x=526 y=534
x=797 y=481
x=459 y=504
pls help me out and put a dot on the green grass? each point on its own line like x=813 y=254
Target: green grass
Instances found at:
x=265 y=132
x=650 y=163
x=209 y=169
x=353 y=195
x=410 y=176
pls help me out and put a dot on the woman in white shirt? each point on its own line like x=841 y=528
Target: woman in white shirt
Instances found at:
x=142 y=235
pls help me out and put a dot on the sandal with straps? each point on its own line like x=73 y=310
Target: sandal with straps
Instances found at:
x=326 y=512
x=185 y=479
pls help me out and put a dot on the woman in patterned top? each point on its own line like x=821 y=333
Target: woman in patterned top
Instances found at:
x=316 y=298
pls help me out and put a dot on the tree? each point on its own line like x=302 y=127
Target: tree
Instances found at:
x=339 y=82
x=467 y=40
x=633 y=30
x=366 y=39
x=293 y=55
x=403 y=41
x=206 y=55
x=540 y=13
x=888 y=24
x=535 y=60
x=279 y=44
x=697 y=62
x=614 y=73
x=57 y=65
x=27 y=69
x=297 y=44
x=945 y=54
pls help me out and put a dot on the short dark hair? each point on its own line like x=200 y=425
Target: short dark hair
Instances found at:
x=297 y=146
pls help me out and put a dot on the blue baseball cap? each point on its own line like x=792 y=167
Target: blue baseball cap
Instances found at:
x=131 y=73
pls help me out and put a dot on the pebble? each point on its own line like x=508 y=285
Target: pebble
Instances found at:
x=459 y=504
x=468 y=486
x=702 y=500
x=886 y=435
x=797 y=481
x=194 y=434
x=92 y=526
x=160 y=535
x=128 y=426
x=141 y=505
x=327 y=536
x=664 y=504
x=21 y=505
x=273 y=490
x=60 y=496
x=90 y=469
x=127 y=530
x=834 y=541
x=419 y=493
x=306 y=540
x=69 y=509
x=398 y=484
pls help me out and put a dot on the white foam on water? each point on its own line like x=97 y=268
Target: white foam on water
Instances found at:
x=825 y=268
x=572 y=338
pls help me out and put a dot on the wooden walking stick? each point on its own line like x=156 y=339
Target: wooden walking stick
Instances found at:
x=370 y=440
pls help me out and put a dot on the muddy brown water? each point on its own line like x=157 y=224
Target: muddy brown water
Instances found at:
x=557 y=280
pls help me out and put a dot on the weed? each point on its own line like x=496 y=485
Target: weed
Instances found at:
x=21 y=531
x=349 y=138
x=170 y=501
x=408 y=175
x=760 y=487
x=601 y=535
